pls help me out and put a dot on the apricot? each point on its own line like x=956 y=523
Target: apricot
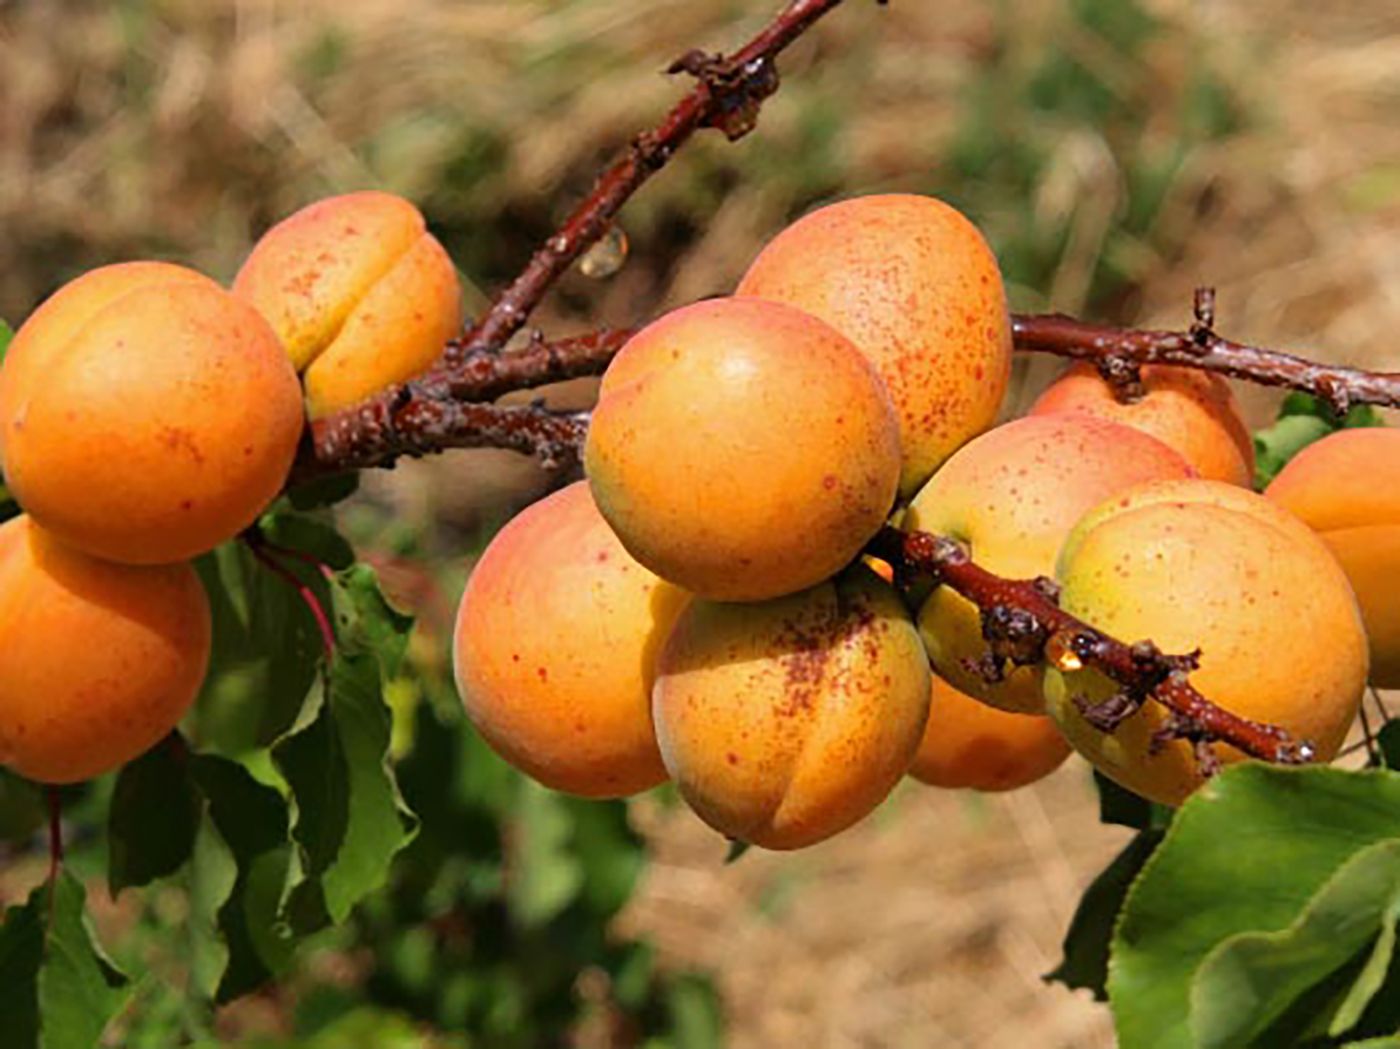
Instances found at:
x=742 y=449
x=971 y=744
x=1279 y=632
x=1189 y=410
x=98 y=661
x=555 y=646
x=361 y=295
x=1347 y=487
x=147 y=414
x=1011 y=496
x=785 y=721
x=914 y=285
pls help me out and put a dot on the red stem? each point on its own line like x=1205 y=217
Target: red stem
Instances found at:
x=55 y=802
x=307 y=595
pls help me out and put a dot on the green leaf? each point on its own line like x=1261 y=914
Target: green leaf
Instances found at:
x=1274 y=447
x=1086 y=946
x=153 y=817
x=324 y=491
x=6 y=334
x=1247 y=852
x=267 y=648
x=58 y=990
x=22 y=808
x=349 y=818
x=366 y=622
x=1388 y=740
x=1249 y=980
x=242 y=836
x=1297 y=403
x=308 y=535
x=1302 y=419
x=1118 y=805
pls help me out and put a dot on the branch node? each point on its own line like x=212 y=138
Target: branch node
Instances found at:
x=1107 y=714
x=738 y=90
x=1123 y=375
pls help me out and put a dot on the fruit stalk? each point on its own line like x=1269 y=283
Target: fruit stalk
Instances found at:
x=1023 y=625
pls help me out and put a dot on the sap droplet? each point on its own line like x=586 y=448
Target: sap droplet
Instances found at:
x=605 y=257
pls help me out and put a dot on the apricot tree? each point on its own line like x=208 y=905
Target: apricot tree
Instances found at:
x=795 y=501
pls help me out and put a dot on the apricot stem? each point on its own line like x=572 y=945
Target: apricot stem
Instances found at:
x=55 y=803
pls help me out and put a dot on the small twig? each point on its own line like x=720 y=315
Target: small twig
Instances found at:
x=257 y=548
x=727 y=95
x=1368 y=739
x=1025 y=625
x=1200 y=347
x=417 y=418
x=55 y=803
x=1380 y=704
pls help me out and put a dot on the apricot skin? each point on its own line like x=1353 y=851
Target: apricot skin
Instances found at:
x=361 y=295
x=147 y=415
x=1279 y=632
x=970 y=744
x=742 y=449
x=1189 y=410
x=98 y=661
x=914 y=285
x=1347 y=488
x=1012 y=495
x=786 y=721
x=555 y=643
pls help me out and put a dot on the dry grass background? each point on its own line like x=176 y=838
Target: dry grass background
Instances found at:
x=181 y=128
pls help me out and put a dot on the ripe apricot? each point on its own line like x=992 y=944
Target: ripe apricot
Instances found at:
x=1347 y=488
x=1011 y=496
x=98 y=661
x=554 y=649
x=742 y=449
x=147 y=414
x=1189 y=410
x=1279 y=632
x=786 y=721
x=971 y=744
x=913 y=284
x=361 y=295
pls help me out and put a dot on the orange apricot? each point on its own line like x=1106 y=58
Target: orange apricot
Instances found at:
x=360 y=293
x=914 y=285
x=971 y=744
x=1011 y=496
x=147 y=415
x=1347 y=488
x=98 y=661
x=742 y=449
x=783 y=722
x=1279 y=632
x=554 y=648
x=1189 y=410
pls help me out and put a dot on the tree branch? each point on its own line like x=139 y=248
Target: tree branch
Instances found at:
x=417 y=418
x=1024 y=625
x=1121 y=351
x=727 y=95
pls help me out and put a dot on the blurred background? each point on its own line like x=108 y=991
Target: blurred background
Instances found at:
x=1117 y=153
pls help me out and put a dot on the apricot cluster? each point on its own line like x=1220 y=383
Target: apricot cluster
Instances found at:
x=148 y=415
x=701 y=609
